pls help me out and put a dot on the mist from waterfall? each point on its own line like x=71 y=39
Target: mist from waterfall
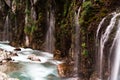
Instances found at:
x=113 y=66
x=50 y=40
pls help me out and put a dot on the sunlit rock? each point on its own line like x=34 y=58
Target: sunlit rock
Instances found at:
x=94 y=76
x=57 y=55
x=33 y=57
x=65 y=70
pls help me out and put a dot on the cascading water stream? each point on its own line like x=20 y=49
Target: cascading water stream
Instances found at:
x=75 y=45
x=97 y=41
x=104 y=38
x=33 y=12
x=6 y=36
x=77 y=40
x=116 y=64
x=50 y=40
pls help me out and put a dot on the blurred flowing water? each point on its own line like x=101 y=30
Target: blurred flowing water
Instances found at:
x=25 y=69
x=111 y=35
x=50 y=39
x=6 y=34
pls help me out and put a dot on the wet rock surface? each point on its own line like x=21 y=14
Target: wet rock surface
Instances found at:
x=65 y=70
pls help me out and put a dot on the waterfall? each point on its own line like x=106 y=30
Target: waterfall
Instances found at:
x=50 y=40
x=116 y=66
x=77 y=41
x=33 y=12
x=8 y=2
x=26 y=24
x=74 y=50
x=6 y=34
x=113 y=67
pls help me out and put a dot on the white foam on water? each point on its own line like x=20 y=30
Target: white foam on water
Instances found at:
x=39 y=72
x=6 y=47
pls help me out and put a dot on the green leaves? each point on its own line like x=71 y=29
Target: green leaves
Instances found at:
x=85 y=52
x=83 y=45
x=87 y=4
x=29 y=29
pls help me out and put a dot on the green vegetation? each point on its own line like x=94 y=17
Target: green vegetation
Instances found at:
x=29 y=29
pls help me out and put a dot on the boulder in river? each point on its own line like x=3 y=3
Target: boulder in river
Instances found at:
x=33 y=57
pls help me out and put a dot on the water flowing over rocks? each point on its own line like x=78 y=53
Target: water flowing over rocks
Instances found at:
x=3 y=76
x=25 y=62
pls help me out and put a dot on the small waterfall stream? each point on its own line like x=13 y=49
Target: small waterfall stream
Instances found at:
x=50 y=40
x=6 y=36
x=114 y=54
x=77 y=40
x=33 y=12
x=116 y=64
